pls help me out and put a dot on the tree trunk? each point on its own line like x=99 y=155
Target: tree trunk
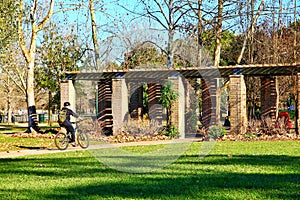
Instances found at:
x=169 y=117
x=219 y=33
x=295 y=31
x=94 y=35
x=199 y=30
x=29 y=54
x=170 y=35
x=32 y=115
x=250 y=33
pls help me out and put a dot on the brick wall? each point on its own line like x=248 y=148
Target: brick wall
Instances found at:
x=68 y=94
x=209 y=90
x=178 y=108
x=238 y=109
x=154 y=107
x=269 y=97
x=104 y=104
x=119 y=104
x=298 y=103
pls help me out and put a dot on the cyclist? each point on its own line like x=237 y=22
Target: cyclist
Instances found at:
x=67 y=123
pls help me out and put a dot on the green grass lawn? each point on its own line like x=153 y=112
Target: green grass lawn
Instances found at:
x=233 y=170
x=10 y=143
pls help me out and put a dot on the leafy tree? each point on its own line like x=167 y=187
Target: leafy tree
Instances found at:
x=8 y=12
x=142 y=56
x=228 y=40
x=57 y=54
x=11 y=76
x=168 y=97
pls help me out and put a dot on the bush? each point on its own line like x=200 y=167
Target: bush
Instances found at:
x=173 y=132
x=170 y=132
x=215 y=132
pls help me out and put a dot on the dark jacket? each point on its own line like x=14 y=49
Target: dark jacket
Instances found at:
x=70 y=113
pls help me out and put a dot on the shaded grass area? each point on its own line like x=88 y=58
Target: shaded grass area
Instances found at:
x=233 y=170
x=22 y=127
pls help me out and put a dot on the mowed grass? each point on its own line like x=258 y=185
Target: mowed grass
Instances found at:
x=232 y=170
x=9 y=143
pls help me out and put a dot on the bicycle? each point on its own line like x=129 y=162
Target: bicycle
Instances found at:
x=62 y=140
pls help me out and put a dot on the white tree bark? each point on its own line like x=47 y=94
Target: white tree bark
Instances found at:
x=30 y=52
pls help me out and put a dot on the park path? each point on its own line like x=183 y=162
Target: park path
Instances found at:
x=29 y=152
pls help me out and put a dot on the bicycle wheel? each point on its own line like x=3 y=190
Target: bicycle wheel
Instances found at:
x=83 y=140
x=61 y=141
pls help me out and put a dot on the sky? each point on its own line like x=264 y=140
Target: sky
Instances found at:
x=118 y=30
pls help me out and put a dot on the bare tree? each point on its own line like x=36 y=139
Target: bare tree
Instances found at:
x=218 y=33
x=168 y=14
x=29 y=51
x=250 y=31
x=197 y=11
x=94 y=33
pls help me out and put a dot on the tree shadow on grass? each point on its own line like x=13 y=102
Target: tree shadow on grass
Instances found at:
x=186 y=178
x=254 y=160
x=31 y=147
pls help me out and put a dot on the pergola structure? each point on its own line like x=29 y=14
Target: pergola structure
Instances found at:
x=115 y=88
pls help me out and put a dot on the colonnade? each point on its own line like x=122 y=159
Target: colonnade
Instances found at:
x=114 y=105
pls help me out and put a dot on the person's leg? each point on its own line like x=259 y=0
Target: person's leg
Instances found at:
x=70 y=129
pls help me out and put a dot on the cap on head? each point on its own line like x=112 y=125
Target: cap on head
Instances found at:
x=67 y=104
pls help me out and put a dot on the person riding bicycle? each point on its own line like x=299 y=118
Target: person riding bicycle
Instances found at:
x=67 y=123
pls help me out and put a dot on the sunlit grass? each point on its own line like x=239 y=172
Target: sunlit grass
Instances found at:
x=233 y=170
x=142 y=148
x=9 y=143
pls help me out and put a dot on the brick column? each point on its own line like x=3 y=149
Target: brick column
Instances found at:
x=178 y=108
x=104 y=113
x=67 y=93
x=269 y=97
x=135 y=99
x=119 y=104
x=209 y=102
x=238 y=108
x=154 y=107
x=297 y=109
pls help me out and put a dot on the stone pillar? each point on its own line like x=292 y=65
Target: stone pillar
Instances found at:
x=178 y=108
x=238 y=105
x=269 y=97
x=119 y=104
x=154 y=107
x=209 y=102
x=104 y=113
x=67 y=93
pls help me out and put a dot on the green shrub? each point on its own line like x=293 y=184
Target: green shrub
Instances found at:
x=215 y=132
x=171 y=132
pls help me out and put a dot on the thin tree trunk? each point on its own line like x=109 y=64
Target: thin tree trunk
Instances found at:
x=94 y=35
x=8 y=114
x=199 y=28
x=250 y=32
x=219 y=33
x=170 y=35
x=295 y=31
